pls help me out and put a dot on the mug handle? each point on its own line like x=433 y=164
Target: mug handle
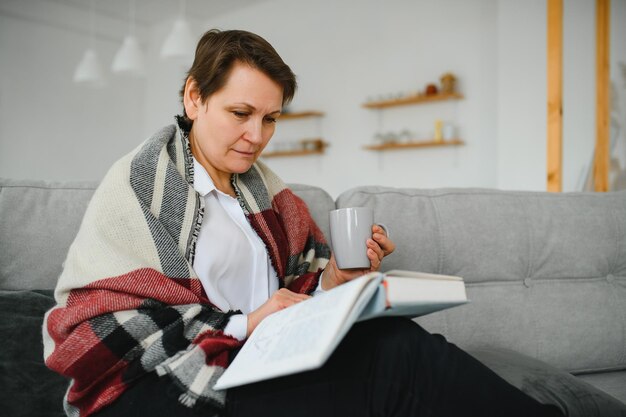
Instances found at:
x=385 y=228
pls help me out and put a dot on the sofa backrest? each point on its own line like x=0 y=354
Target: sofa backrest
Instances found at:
x=319 y=203
x=39 y=220
x=546 y=273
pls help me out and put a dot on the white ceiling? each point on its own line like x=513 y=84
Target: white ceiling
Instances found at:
x=112 y=17
x=75 y=14
x=151 y=11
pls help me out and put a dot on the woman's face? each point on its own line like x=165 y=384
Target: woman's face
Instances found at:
x=233 y=126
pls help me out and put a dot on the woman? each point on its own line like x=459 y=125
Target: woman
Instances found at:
x=190 y=242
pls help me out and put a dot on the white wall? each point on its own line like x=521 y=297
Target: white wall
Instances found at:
x=521 y=97
x=343 y=52
x=50 y=128
x=579 y=90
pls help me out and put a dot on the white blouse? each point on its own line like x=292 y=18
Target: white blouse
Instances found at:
x=231 y=259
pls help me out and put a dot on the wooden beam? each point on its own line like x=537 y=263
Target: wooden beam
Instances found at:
x=601 y=162
x=555 y=95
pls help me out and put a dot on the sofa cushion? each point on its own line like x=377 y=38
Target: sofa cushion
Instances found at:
x=38 y=222
x=545 y=272
x=549 y=385
x=28 y=387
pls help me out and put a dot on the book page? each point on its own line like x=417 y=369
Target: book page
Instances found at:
x=298 y=338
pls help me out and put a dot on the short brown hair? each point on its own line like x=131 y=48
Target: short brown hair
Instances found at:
x=217 y=52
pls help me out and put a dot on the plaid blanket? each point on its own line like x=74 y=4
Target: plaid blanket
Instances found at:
x=128 y=299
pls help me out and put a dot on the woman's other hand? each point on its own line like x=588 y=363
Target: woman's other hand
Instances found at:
x=378 y=247
x=281 y=299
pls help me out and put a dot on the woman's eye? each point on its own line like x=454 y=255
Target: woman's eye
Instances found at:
x=240 y=114
x=270 y=119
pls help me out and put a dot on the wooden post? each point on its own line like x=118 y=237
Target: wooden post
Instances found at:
x=601 y=162
x=555 y=95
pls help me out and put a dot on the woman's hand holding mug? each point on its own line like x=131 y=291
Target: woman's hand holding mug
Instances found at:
x=350 y=227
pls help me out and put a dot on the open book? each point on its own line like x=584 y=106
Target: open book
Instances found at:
x=303 y=336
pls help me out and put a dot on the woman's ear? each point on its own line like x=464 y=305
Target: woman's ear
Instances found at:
x=191 y=98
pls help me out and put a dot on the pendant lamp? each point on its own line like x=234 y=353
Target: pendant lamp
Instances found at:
x=129 y=58
x=89 y=70
x=180 y=43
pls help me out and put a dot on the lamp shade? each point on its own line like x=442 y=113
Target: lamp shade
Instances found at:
x=89 y=69
x=129 y=58
x=180 y=42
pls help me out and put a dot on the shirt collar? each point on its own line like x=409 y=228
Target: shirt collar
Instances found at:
x=202 y=181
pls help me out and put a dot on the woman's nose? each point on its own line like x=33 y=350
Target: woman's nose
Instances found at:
x=254 y=132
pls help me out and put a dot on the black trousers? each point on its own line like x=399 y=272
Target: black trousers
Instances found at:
x=383 y=367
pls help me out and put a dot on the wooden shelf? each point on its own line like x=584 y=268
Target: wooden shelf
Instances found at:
x=412 y=100
x=300 y=115
x=302 y=152
x=425 y=144
x=319 y=150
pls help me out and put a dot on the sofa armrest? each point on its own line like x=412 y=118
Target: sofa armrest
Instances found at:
x=550 y=385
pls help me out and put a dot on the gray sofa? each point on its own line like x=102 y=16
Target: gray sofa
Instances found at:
x=546 y=274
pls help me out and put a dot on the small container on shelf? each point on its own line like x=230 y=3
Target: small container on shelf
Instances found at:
x=438 y=131
x=448 y=83
x=448 y=131
x=431 y=90
x=405 y=136
x=317 y=144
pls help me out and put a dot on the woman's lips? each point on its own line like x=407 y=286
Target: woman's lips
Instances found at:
x=245 y=153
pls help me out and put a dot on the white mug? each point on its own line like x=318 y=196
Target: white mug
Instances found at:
x=349 y=230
